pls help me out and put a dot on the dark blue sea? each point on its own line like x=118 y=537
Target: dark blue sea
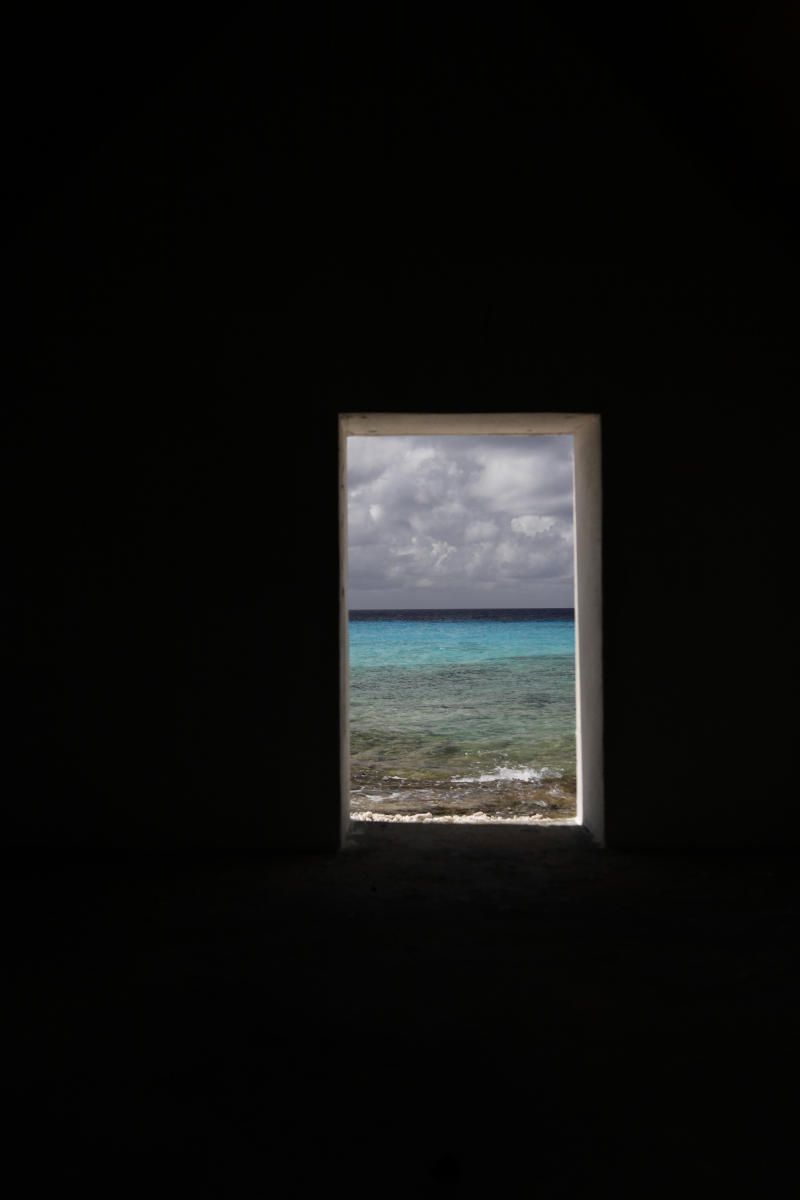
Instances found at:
x=456 y=712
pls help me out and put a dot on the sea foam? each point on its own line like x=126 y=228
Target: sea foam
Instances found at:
x=505 y=774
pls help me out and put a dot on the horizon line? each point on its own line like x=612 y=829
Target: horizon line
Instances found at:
x=462 y=608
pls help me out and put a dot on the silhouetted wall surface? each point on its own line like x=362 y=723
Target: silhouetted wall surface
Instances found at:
x=290 y=231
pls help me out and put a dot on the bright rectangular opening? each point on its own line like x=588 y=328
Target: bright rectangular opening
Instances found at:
x=410 y=573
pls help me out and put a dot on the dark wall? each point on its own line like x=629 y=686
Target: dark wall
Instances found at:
x=294 y=222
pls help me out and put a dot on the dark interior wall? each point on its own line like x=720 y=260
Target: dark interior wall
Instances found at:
x=303 y=221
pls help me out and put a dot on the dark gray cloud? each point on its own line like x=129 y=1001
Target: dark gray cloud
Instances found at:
x=455 y=522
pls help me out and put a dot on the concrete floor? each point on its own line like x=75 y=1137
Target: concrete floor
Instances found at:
x=435 y=1011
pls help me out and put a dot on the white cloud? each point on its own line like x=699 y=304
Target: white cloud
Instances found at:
x=531 y=524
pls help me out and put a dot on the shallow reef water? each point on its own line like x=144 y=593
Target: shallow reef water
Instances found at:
x=459 y=712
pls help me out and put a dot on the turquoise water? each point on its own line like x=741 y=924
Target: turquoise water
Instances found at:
x=459 y=711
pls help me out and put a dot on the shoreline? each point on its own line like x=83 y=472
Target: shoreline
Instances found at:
x=478 y=818
x=448 y=799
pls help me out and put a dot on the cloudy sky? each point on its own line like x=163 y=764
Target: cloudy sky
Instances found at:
x=460 y=522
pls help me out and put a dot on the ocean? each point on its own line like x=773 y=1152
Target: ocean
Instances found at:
x=460 y=712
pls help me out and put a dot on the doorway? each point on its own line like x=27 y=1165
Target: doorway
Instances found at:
x=421 y=558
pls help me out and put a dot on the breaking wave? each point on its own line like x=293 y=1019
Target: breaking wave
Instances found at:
x=507 y=774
